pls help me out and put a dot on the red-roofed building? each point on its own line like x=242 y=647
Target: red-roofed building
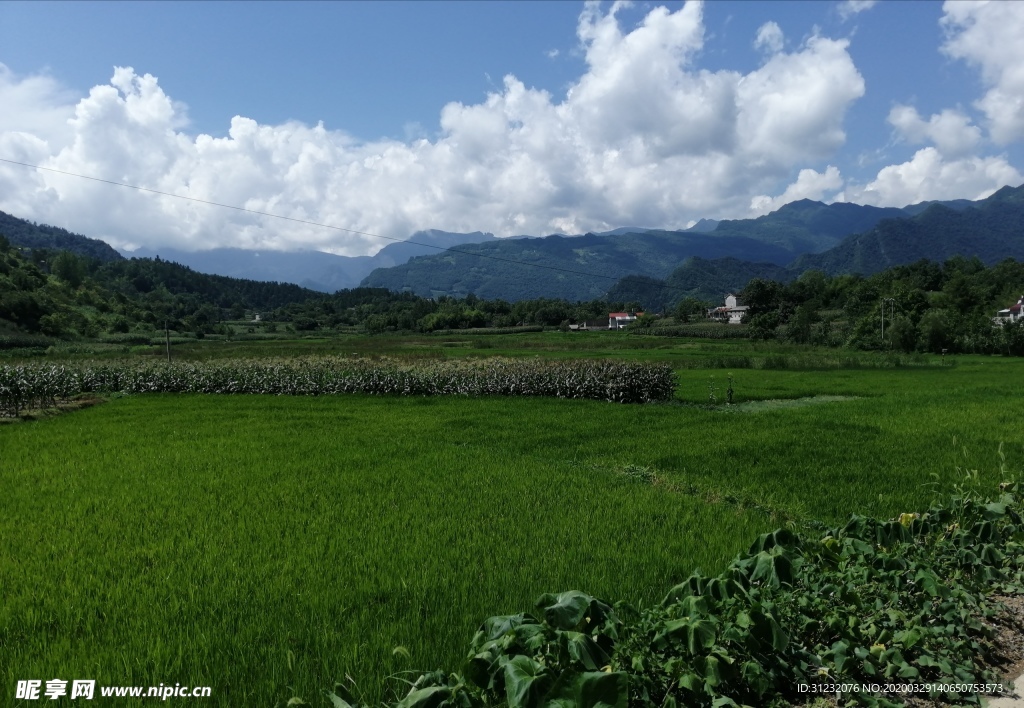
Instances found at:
x=1013 y=313
x=619 y=320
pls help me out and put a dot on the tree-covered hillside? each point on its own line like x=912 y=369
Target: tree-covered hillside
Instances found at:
x=991 y=229
x=27 y=234
x=61 y=294
x=699 y=278
x=807 y=226
x=506 y=268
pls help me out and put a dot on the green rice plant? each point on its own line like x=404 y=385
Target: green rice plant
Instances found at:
x=199 y=539
x=698 y=330
x=488 y=330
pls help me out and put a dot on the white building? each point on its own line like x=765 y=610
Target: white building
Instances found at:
x=619 y=320
x=732 y=312
x=1013 y=313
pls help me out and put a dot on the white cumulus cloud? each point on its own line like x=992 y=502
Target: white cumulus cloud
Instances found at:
x=769 y=38
x=951 y=130
x=849 y=8
x=809 y=184
x=988 y=35
x=929 y=175
x=644 y=136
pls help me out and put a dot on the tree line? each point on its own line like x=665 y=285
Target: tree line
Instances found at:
x=925 y=306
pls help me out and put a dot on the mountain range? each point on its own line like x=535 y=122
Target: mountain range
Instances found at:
x=656 y=267
x=990 y=229
x=581 y=268
x=315 y=270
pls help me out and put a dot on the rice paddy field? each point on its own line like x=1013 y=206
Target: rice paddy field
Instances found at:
x=268 y=546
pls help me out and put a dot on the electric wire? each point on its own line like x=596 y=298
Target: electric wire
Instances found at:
x=341 y=228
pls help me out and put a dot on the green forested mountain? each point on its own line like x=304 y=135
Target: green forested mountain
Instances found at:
x=806 y=226
x=991 y=229
x=699 y=278
x=776 y=238
x=316 y=270
x=27 y=234
x=505 y=268
x=61 y=294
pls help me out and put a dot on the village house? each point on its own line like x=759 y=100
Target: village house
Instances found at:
x=1011 y=314
x=732 y=312
x=620 y=320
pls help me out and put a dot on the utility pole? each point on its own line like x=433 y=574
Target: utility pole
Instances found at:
x=881 y=307
x=167 y=341
x=892 y=312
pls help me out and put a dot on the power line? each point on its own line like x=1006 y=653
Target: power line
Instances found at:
x=335 y=228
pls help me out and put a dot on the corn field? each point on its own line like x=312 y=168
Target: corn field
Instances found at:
x=33 y=386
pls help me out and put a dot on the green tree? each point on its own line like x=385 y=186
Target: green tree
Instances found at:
x=69 y=268
x=763 y=326
x=800 y=325
x=936 y=330
x=690 y=309
x=1011 y=338
x=902 y=334
x=644 y=321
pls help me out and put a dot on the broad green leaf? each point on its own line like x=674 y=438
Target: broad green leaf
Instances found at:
x=712 y=672
x=928 y=582
x=526 y=682
x=570 y=608
x=337 y=701
x=691 y=682
x=908 y=638
x=585 y=650
x=431 y=697
x=496 y=627
x=767 y=631
x=907 y=671
x=603 y=690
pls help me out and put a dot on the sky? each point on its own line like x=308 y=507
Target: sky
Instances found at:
x=506 y=117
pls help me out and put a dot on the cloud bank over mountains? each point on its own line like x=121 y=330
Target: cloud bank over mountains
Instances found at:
x=645 y=136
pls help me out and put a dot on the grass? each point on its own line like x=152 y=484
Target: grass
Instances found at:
x=271 y=545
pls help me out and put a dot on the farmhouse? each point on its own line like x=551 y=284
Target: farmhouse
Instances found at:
x=619 y=320
x=1013 y=313
x=732 y=312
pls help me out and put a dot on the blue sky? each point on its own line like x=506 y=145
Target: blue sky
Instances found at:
x=508 y=117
